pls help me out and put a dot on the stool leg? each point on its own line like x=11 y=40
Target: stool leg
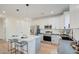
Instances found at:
x=10 y=47
x=27 y=48
x=15 y=48
x=21 y=49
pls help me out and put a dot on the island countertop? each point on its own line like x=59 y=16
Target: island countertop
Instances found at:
x=29 y=38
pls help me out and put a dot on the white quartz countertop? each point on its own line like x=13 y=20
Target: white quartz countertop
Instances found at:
x=29 y=38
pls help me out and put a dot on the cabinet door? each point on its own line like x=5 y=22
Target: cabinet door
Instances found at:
x=38 y=44
x=31 y=47
x=55 y=40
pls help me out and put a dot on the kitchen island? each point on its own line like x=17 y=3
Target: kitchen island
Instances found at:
x=32 y=46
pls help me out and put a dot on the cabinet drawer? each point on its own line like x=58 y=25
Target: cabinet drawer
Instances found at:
x=55 y=41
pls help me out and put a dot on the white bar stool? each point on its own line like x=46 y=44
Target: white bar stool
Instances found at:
x=22 y=47
x=12 y=45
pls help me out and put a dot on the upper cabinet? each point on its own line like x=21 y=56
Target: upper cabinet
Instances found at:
x=67 y=20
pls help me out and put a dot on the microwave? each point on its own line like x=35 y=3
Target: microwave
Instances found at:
x=48 y=26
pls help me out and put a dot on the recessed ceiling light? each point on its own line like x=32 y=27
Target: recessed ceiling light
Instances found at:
x=27 y=5
x=3 y=11
x=52 y=12
x=17 y=10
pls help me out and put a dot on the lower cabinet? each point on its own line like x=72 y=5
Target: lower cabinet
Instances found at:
x=55 y=39
x=38 y=43
x=34 y=46
x=31 y=47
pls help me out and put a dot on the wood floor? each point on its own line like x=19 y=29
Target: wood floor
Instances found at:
x=3 y=47
x=46 y=48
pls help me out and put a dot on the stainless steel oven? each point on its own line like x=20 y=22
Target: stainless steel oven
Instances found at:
x=47 y=38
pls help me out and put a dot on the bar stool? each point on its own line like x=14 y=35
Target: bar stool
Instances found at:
x=12 y=45
x=20 y=46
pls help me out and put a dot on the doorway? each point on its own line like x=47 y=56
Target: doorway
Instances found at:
x=2 y=29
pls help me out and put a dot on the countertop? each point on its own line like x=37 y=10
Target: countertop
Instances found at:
x=29 y=38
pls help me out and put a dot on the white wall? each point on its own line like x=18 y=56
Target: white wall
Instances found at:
x=23 y=26
x=56 y=22
x=15 y=26
x=10 y=24
x=74 y=20
x=74 y=16
x=2 y=34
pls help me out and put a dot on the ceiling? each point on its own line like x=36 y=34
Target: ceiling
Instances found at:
x=33 y=10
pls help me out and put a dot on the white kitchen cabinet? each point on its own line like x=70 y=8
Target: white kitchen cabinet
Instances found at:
x=31 y=47
x=55 y=39
x=38 y=43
